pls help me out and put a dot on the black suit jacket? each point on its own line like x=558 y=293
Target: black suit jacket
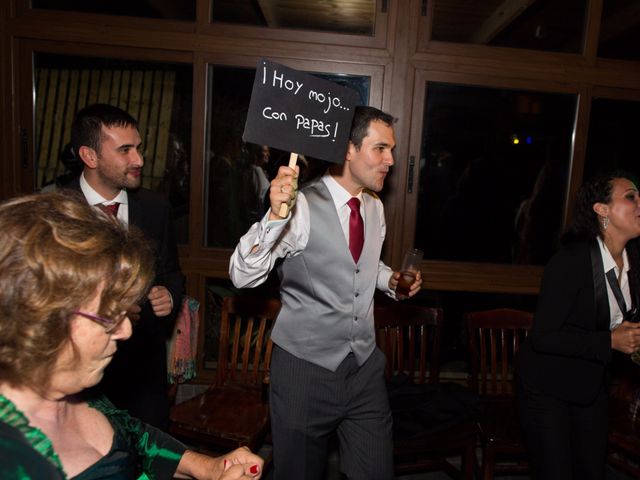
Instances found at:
x=143 y=358
x=140 y=363
x=570 y=342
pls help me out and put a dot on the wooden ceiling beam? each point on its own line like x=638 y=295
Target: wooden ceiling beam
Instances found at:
x=356 y=15
x=499 y=19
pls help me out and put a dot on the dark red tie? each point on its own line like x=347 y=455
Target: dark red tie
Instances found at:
x=356 y=229
x=111 y=209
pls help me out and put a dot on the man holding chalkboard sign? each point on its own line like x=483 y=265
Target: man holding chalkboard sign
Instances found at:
x=326 y=373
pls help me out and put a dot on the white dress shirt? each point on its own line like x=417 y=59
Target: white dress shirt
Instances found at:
x=609 y=263
x=266 y=241
x=94 y=199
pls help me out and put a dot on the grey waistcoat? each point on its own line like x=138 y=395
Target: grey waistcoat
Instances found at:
x=327 y=299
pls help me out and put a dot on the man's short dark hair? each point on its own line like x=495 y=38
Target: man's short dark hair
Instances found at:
x=87 y=125
x=362 y=118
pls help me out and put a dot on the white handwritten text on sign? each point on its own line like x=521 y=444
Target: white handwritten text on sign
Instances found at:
x=297 y=112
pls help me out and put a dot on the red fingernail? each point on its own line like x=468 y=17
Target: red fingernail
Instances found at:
x=254 y=469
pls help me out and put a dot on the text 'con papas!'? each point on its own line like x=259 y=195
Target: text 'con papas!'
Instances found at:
x=299 y=112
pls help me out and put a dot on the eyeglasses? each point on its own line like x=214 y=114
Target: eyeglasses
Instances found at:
x=109 y=324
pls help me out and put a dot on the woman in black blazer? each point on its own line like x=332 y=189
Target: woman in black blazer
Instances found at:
x=579 y=319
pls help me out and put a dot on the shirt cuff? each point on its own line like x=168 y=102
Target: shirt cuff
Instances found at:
x=270 y=230
x=383 y=282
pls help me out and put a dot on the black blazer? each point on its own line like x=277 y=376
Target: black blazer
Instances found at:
x=151 y=213
x=570 y=343
x=140 y=362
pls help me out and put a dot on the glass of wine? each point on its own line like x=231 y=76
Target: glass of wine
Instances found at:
x=408 y=272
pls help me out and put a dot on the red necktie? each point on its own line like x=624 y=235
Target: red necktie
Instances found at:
x=356 y=229
x=110 y=209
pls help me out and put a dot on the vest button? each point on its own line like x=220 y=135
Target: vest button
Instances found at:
x=355 y=319
x=357 y=270
x=357 y=294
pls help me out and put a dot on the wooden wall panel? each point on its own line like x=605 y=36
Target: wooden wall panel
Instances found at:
x=148 y=95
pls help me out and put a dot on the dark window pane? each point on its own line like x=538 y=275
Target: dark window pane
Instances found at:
x=620 y=30
x=238 y=173
x=613 y=131
x=158 y=95
x=549 y=25
x=493 y=173
x=354 y=17
x=168 y=9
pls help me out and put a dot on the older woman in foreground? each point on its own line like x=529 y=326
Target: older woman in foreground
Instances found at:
x=68 y=274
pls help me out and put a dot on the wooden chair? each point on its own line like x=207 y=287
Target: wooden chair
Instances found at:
x=409 y=336
x=234 y=411
x=494 y=338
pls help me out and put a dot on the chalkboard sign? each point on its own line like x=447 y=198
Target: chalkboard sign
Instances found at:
x=297 y=112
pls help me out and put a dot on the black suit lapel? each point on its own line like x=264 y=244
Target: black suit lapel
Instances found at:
x=135 y=213
x=599 y=288
x=635 y=296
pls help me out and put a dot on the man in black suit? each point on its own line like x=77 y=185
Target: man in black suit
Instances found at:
x=107 y=141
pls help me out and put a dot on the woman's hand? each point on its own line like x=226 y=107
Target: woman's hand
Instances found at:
x=626 y=337
x=238 y=464
x=241 y=472
x=250 y=464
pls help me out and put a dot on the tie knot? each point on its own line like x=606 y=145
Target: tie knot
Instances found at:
x=110 y=209
x=354 y=204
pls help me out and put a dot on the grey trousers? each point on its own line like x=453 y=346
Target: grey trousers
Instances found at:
x=309 y=403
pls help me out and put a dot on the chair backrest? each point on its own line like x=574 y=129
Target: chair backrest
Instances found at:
x=244 y=353
x=494 y=339
x=409 y=336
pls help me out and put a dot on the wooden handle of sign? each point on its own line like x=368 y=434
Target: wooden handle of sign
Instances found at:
x=284 y=208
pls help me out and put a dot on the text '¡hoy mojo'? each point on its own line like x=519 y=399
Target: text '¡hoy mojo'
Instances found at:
x=315 y=127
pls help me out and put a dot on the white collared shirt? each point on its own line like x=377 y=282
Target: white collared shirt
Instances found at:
x=609 y=263
x=340 y=199
x=266 y=241
x=94 y=199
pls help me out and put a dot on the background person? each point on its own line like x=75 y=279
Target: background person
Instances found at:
x=259 y=164
x=68 y=274
x=561 y=371
x=326 y=373
x=72 y=169
x=107 y=140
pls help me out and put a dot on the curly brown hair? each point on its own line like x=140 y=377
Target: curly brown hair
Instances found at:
x=56 y=254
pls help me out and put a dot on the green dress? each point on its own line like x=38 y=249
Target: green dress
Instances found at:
x=139 y=451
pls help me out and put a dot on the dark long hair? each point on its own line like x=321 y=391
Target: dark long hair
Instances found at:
x=586 y=225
